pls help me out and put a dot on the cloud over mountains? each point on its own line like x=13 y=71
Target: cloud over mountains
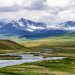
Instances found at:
x=43 y=10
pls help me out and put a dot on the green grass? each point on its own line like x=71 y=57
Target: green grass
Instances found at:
x=65 y=65
x=64 y=44
x=7 y=46
x=61 y=46
x=10 y=57
x=50 y=67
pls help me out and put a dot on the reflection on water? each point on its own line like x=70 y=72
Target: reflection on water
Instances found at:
x=26 y=58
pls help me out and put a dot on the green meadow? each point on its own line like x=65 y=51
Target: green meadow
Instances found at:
x=50 y=67
x=54 y=46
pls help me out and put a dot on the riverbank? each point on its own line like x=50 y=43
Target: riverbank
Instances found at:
x=25 y=58
x=47 y=48
x=46 y=67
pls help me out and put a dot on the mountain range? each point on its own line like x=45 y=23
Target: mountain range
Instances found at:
x=24 y=28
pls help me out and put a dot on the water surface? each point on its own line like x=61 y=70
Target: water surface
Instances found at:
x=26 y=58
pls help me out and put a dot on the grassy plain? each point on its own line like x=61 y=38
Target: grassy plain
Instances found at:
x=57 y=46
x=50 y=67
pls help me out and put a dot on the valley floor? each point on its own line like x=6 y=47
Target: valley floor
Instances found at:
x=61 y=46
x=53 y=67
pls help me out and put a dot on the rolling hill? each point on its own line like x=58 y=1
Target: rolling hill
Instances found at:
x=7 y=46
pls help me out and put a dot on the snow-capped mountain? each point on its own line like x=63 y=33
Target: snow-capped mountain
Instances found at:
x=30 y=29
x=69 y=26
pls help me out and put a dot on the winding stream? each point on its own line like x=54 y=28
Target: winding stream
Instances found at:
x=26 y=58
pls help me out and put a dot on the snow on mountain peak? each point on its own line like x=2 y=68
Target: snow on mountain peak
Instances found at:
x=28 y=28
x=31 y=26
x=35 y=27
x=31 y=30
x=70 y=28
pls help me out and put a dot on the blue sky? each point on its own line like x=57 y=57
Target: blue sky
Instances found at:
x=38 y=10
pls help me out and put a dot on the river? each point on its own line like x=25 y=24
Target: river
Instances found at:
x=26 y=58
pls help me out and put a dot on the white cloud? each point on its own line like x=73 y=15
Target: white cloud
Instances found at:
x=15 y=2
x=4 y=3
x=57 y=3
x=61 y=10
x=33 y=15
x=66 y=15
x=43 y=10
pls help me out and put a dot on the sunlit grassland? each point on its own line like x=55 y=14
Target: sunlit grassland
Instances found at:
x=58 y=41
x=50 y=67
x=62 y=44
x=58 y=46
x=10 y=57
x=7 y=46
